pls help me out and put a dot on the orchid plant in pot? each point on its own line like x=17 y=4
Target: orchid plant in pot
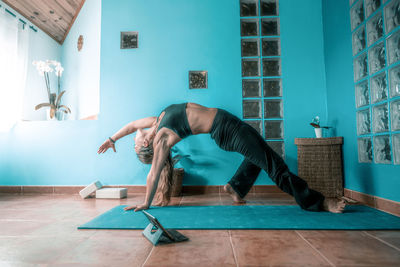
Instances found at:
x=317 y=127
x=54 y=104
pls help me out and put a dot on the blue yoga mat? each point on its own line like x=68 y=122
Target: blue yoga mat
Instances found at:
x=247 y=217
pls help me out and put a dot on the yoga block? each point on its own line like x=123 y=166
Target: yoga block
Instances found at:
x=111 y=193
x=88 y=190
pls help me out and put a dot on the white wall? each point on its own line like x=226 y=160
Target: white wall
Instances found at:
x=41 y=47
x=81 y=78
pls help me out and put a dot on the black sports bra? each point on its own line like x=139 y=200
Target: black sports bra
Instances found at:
x=175 y=118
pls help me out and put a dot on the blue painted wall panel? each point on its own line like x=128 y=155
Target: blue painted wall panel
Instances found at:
x=376 y=179
x=174 y=37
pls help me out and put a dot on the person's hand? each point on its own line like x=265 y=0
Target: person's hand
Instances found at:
x=105 y=146
x=137 y=207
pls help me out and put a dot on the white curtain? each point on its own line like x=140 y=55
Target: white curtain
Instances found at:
x=14 y=38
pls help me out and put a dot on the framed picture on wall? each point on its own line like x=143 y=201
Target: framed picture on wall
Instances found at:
x=197 y=79
x=129 y=40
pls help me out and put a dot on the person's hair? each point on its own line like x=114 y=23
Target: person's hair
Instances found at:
x=163 y=193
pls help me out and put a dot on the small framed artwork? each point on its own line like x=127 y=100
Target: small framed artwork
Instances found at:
x=198 y=79
x=129 y=40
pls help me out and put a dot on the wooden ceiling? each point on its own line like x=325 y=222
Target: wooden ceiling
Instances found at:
x=54 y=17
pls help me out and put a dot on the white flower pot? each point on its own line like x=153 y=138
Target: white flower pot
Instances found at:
x=58 y=116
x=318 y=132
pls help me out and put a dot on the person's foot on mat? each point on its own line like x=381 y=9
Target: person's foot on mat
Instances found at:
x=334 y=205
x=349 y=201
x=236 y=198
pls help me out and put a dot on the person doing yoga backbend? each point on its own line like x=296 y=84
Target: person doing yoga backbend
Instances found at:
x=157 y=135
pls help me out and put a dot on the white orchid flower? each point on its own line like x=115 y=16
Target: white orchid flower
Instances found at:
x=47 y=68
x=315 y=120
x=44 y=67
x=59 y=70
x=53 y=62
x=41 y=67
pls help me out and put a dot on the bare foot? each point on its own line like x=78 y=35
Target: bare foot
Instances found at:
x=334 y=205
x=236 y=198
x=349 y=201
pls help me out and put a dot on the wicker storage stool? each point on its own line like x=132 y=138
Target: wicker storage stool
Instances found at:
x=177 y=179
x=320 y=164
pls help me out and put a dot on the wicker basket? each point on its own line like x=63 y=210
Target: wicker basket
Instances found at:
x=177 y=179
x=320 y=164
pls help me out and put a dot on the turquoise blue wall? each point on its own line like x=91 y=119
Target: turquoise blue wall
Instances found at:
x=375 y=179
x=180 y=35
x=174 y=37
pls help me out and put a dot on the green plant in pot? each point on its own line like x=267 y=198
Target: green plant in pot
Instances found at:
x=54 y=104
x=317 y=127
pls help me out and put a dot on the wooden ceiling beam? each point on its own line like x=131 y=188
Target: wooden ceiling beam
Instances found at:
x=73 y=20
x=54 y=17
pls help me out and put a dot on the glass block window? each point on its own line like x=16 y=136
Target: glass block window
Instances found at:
x=256 y=124
x=362 y=94
x=358 y=40
x=252 y=109
x=382 y=149
x=375 y=27
x=273 y=129
x=364 y=150
x=261 y=70
x=396 y=148
x=251 y=88
x=395 y=112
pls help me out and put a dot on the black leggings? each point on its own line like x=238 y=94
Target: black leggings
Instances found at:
x=232 y=134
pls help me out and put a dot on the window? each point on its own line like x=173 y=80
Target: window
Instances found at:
x=13 y=65
x=376 y=53
x=261 y=70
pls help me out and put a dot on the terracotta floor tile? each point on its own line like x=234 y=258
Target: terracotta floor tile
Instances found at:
x=219 y=233
x=19 y=228
x=7 y=246
x=274 y=248
x=348 y=248
x=115 y=251
x=40 y=230
x=19 y=264
x=392 y=237
x=36 y=214
x=75 y=264
x=200 y=250
x=114 y=233
x=175 y=201
x=39 y=250
x=201 y=200
x=61 y=229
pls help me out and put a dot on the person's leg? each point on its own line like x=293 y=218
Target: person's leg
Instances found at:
x=231 y=134
x=255 y=149
x=244 y=177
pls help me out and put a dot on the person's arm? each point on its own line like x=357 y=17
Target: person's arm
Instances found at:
x=126 y=130
x=162 y=148
x=133 y=127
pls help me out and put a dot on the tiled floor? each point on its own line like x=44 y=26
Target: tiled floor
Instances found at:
x=40 y=230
